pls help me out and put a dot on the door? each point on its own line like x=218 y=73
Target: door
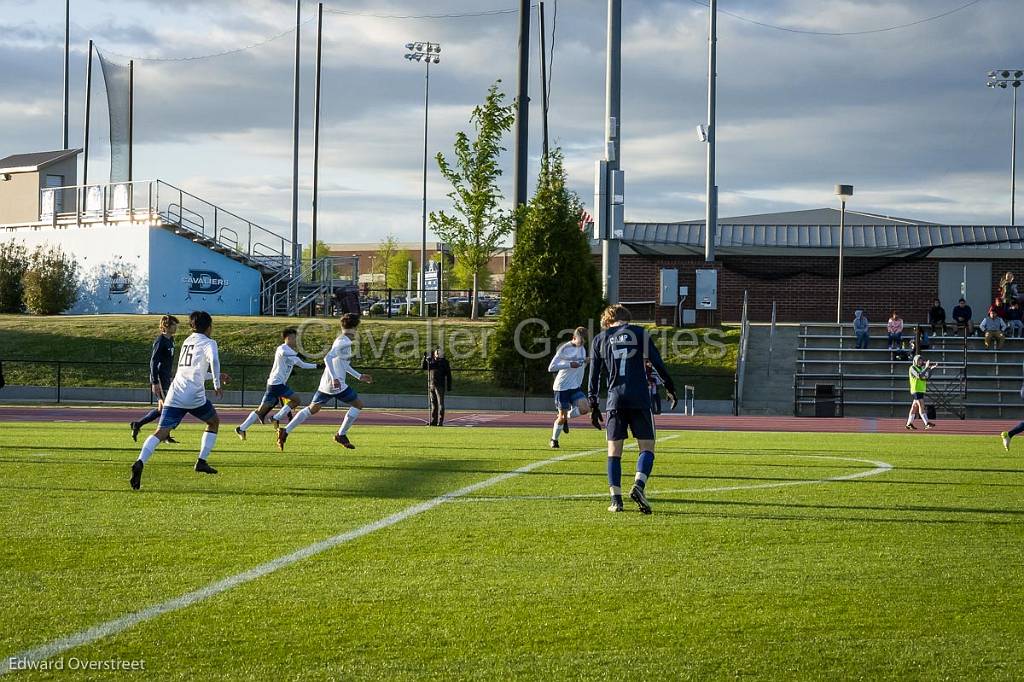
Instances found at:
x=968 y=279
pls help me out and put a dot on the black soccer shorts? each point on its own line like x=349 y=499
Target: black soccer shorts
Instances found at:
x=638 y=421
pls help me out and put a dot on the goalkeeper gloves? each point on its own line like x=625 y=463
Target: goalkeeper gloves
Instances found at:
x=595 y=414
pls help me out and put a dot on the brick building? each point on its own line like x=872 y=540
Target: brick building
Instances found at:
x=792 y=259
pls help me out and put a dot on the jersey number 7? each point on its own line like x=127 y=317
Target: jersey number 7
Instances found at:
x=620 y=354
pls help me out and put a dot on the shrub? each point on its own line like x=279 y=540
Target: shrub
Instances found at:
x=13 y=263
x=51 y=281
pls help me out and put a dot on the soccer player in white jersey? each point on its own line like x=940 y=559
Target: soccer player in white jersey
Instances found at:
x=285 y=359
x=198 y=361
x=569 y=364
x=337 y=366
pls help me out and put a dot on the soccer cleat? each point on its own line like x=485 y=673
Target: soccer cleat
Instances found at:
x=282 y=436
x=554 y=444
x=1005 y=435
x=203 y=467
x=615 y=507
x=239 y=432
x=170 y=439
x=341 y=439
x=135 y=431
x=637 y=495
x=929 y=426
x=136 y=479
x=277 y=424
x=911 y=427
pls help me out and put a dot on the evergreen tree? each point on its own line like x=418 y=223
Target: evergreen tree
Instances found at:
x=551 y=278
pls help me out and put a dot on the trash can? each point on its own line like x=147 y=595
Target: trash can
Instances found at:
x=824 y=400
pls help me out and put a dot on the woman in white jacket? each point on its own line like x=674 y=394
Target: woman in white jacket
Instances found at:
x=569 y=364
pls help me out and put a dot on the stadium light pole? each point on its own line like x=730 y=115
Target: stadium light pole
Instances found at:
x=711 y=207
x=296 y=268
x=67 y=60
x=844 y=192
x=424 y=52
x=1010 y=78
x=316 y=135
x=522 y=134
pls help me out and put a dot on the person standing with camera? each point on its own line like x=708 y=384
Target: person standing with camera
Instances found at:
x=439 y=382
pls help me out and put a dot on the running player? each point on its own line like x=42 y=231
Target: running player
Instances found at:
x=285 y=359
x=618 y=354
x=337 y=364
x=161 y=362
x=569 y=364
x=918 y=375
x=197 y=362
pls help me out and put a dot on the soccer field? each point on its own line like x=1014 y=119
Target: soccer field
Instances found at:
x=469 y=553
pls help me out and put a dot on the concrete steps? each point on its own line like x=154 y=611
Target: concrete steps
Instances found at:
x=768 y=379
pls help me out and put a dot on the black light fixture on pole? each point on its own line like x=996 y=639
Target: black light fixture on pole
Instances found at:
x=1010 y=78
x=844 y=192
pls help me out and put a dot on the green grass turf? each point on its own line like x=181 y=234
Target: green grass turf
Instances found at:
x=911 y=574
x=121 y=344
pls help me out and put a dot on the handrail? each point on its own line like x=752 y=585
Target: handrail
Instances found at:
x=741 y=365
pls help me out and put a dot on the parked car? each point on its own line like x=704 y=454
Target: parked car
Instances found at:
x=493 y=312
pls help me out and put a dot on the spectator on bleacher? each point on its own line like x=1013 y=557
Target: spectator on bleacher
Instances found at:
x=1014 y=319
x=998 y=307
x=861 y=328
x=895 y=330
x=962 y=315
x=993 y=327
x=1008 y=289
x=921 y=340
x=937 y=318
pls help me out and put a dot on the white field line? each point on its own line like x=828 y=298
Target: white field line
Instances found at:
x=113 y=627
x=880 y=468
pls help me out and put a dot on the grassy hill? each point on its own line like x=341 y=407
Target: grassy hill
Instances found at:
x=113 y=350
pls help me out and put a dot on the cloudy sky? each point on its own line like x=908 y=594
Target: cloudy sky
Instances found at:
x=903 y=115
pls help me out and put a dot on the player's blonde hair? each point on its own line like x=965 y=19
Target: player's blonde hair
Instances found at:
x=166 y=321
x=580 y=332
x=615 y=313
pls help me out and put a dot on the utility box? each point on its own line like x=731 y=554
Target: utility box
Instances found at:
x=668 y=293
x=707 y=289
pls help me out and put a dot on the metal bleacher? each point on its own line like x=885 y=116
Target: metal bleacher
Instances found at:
x=834 y=377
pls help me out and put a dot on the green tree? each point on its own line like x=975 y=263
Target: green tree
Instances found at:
x=461 y=277
x=13 y=263
x=398 y=270
x=51 y=281
x=322 y=250
x=384 y=260
x=551 y=281
x=479 y=223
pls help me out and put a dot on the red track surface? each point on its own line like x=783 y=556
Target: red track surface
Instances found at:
x=534 y=420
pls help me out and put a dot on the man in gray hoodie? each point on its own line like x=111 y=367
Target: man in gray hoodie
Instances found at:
x=860 y=328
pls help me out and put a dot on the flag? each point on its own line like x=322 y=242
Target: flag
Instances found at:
x=585 y=219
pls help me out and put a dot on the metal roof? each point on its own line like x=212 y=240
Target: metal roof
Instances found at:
x=792 y=234
x=26 y=163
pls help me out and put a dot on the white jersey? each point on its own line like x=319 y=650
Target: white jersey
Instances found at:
x=285 y=359
x=198 y=361
x=337 y=364
x=568 y=377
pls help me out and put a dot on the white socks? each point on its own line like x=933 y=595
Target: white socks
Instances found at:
x=206 y=444
x=249 y=421
x=283 y=412
x=350 y=419
x=640 y=477
x=556 y=430
x=148 y=447
x=574 y=412
x=300 y=416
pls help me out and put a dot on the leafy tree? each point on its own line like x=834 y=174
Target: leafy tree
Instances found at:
x=479 y=223
x=51 y=281
x=461 y=277
x=13 y=263
x=398 y=270
x=551 y=278
x=322 y=250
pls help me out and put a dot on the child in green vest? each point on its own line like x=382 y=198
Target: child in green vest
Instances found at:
x=919 y=373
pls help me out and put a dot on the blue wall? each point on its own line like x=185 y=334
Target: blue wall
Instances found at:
x=184 y=276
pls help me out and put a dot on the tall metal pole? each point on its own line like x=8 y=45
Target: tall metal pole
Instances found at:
x=316 y=129
x=1013 y=161
x=522 y=104
x=423 y=243
x=296 y=254
x=839 y=289
x=88 y=111
x=711 y=213
x=613 y=102
x=544 y=79
x=131 y=114
x=67 y=60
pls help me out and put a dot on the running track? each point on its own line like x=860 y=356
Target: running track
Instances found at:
x=383 y=417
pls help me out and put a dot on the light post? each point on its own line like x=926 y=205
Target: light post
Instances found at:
x=1010 y=78
x=424 y=52
x=844 y=192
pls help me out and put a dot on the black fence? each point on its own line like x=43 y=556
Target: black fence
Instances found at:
x=397 y=303
x=248 y=381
